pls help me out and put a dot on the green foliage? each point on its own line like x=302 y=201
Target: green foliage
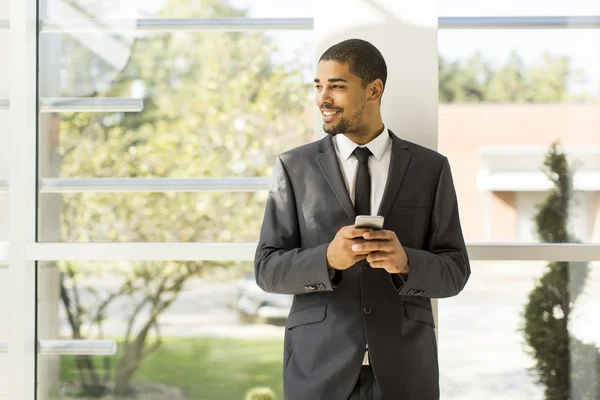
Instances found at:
x=475 y=80
x=205 y=368
x=568 y=368
x=260 y=393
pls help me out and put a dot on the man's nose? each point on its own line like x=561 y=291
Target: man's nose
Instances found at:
x=324 y=97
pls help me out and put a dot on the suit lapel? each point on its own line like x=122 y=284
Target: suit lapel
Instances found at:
x=330 y=167
x=398 y=166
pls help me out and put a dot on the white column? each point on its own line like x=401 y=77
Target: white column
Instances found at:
x=405 y=31
x=22 y=198
x=4 y=94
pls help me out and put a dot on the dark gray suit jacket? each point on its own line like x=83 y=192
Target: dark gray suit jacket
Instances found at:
x=332 y=320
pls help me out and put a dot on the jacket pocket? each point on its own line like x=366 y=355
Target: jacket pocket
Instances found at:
x=308 y=315
x=418 y=312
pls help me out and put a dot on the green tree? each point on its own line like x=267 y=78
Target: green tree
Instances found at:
x=568 y=368
x=215 y=105
x=476 y=80
x=508 y=83
x=463 y=82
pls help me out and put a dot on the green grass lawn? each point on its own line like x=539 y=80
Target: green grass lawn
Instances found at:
x=207 y=368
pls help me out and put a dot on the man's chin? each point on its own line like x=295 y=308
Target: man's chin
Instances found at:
x=331 y=130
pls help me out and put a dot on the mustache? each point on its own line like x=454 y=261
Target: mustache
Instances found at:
x=323 y=108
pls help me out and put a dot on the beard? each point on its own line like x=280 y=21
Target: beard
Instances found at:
x=352 y=125
x=342 y=126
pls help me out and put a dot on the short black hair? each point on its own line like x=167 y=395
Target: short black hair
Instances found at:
x=364 y=60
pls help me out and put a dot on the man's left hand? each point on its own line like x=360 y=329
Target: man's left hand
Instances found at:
x=384 y=251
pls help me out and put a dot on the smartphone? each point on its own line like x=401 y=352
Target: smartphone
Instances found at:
x=369 y=221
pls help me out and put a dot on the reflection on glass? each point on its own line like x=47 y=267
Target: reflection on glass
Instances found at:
x=185 y=330
x=153 y=217
x=484 y=348
x=214 y=104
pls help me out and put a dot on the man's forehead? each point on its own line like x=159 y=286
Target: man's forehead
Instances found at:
x=327 y=69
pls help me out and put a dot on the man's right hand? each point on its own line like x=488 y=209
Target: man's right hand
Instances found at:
x=339 y=252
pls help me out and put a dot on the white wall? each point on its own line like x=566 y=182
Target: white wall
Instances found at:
x=406 y=34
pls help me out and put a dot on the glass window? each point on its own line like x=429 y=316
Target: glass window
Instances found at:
x=506 y=96
x=188 y=105
x=496 y=336
x=213 y=104
x=207 y=331
x=152 y=217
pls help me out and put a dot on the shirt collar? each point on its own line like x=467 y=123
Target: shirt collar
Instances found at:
x=377 y=146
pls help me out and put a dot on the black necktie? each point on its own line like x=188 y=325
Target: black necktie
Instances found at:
x=362 y=189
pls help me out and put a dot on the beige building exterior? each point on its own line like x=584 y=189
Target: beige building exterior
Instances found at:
x=496 y=153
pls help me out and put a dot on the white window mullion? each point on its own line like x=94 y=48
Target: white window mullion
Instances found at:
x=152 y=251
x=21 y=340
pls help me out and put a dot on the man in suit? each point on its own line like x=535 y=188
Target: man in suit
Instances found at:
x=361 y=324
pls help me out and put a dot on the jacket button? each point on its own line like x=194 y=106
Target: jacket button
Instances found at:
x=367 y=309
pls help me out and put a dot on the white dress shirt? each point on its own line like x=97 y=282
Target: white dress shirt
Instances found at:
x=379 y=165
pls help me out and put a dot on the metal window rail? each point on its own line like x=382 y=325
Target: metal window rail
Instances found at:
x=154 y=185
x=262 y=24
x=77 y=347
x=72 y=347
x=123 y=185
x=534 y=22
x=84 y=104
x=175 y=24
x=91 y=104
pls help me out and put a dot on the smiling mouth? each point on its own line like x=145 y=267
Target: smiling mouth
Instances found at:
x=330 y=115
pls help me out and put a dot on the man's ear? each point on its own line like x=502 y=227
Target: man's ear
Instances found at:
x=375 y=90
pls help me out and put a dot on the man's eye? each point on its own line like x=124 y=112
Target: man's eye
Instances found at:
x=338 y=86
x=317 y=87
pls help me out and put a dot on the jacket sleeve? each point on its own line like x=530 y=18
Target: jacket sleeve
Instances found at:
x=280 y=264
x=442 y=269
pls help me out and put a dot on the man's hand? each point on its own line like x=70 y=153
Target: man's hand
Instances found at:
x=383 y=250
x=339 y=252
